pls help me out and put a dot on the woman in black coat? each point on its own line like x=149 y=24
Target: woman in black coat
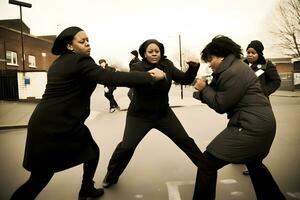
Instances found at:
x=57 y=137
x=264 y=69
x=149 y=108
x=248 y=137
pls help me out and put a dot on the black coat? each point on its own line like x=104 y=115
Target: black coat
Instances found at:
x=268 y=76
x=57 y=137
x=153 y=101
x=235 y=90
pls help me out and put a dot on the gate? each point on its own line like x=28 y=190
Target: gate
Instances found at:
x=9 y=85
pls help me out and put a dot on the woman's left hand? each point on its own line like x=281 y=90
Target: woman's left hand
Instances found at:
x=200 y=84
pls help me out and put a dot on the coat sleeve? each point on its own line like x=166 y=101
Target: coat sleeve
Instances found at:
x=91 y=71
x=272 y=79
x=224 y=94
x=187 y=77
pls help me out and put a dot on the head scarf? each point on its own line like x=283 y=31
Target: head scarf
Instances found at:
x=64 y=38
x=258 y=47
x=145 y=44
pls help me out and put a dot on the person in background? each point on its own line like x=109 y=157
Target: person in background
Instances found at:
x=134 y=59
x=264 y=69
x=149 y=108
x=57 y=138
x=249 y=134
x=109 y=90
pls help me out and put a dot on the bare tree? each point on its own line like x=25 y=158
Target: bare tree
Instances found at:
x=288 y=26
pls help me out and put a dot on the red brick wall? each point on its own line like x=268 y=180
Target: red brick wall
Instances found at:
x=11 y=40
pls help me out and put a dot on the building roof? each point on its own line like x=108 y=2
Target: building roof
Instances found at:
x=281 y=60
x=15 y=24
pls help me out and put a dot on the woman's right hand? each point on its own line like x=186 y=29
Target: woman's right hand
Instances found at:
x=157 y=74
x=200 y=84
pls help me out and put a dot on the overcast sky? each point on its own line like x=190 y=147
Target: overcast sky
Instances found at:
x=115 y=27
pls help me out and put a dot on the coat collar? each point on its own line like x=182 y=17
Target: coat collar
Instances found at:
x=225 y=64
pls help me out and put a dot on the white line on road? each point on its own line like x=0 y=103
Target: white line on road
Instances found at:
x=173 y=190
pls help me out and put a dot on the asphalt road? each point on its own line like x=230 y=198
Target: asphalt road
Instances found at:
x=159 y=170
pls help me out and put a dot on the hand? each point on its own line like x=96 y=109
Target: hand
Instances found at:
x=200 y=84
x=193 y=64
x=157 y=74
x=193 y=61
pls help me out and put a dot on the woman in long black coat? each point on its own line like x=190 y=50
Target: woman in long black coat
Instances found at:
x=149 y=108
x=57 y=137
x=248 y=137
x=264 y=69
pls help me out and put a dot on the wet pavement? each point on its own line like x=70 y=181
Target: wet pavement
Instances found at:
x=159 y=170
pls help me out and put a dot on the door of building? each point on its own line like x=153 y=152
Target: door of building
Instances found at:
x=9 y=85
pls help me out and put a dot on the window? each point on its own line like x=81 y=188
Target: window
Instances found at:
x=11 y=58
x=31 y=60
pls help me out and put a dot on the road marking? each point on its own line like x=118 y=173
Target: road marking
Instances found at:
x=228 y=181
x=173 y=190
x=294 y=194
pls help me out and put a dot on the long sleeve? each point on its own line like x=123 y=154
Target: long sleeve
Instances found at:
x=187 y=77
x=272 y=79
x=92 y=71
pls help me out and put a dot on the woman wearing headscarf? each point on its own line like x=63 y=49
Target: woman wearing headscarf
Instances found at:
x=264 y=69
x=249 y=134
x=149 y=108
x=57 y=138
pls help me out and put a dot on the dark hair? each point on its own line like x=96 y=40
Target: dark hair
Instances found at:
x=221 y=46
x=145 y=44
x=64 y=38
x=258 y=47
x=135 y=53
x=102 y=61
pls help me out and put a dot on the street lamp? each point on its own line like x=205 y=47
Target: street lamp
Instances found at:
x=21 y=4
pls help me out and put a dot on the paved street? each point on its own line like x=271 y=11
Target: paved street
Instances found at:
x=159 y=170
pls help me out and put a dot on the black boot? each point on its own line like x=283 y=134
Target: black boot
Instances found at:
x=88 y=190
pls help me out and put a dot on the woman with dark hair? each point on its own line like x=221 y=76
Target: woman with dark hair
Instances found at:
x=264 y=69
x=249 y=134
x=57 y=138
x=149 y=108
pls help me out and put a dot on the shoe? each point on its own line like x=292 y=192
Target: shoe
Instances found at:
x=107 y=184
x=84 y=194
x=246 y=172
x=112 y=110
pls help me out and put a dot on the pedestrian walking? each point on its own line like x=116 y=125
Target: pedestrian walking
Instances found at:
x=134 y=59
x=109 y=90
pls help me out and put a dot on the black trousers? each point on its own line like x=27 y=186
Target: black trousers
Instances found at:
x=205 y=187
x=135 y=130
x=109 y=95
x=40 y=178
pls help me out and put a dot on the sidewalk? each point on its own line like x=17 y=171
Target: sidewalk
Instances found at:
x=15 y=114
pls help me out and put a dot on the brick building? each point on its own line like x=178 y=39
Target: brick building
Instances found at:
x=18 y=81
